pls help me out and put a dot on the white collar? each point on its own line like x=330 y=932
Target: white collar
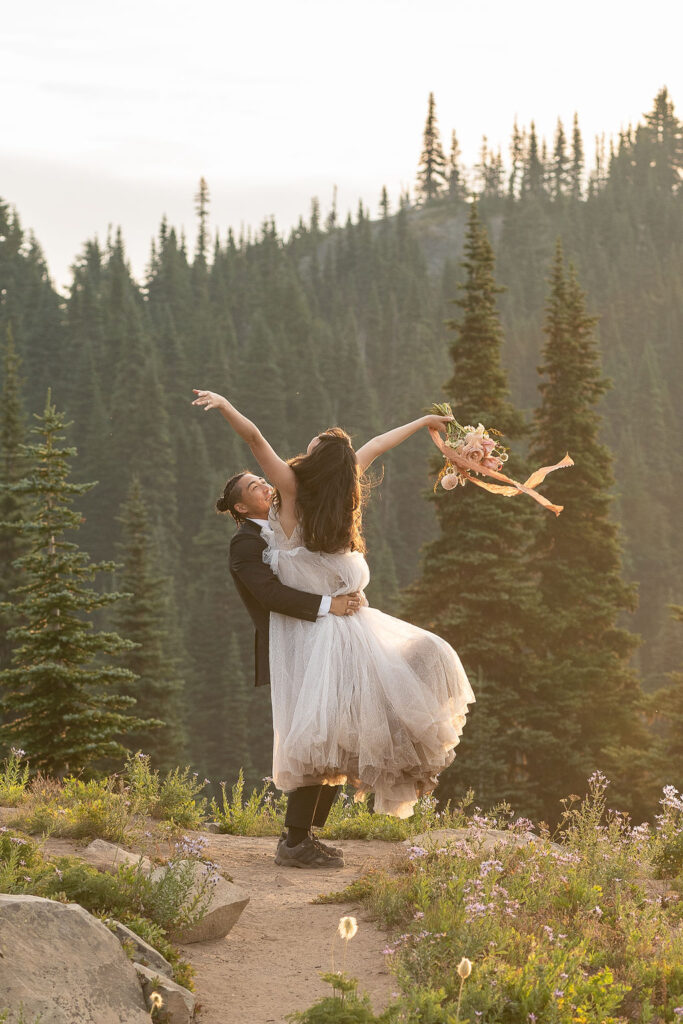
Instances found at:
x=259 y=522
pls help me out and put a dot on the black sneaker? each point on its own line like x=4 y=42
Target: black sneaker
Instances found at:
x=307 y=854
x=332 y=851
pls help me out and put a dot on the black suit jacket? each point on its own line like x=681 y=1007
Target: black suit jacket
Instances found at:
x=262 y=593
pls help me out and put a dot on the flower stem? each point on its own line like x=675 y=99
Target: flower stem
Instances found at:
x=457 y=1009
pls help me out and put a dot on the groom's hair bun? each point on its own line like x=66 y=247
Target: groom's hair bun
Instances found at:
x=231 y=494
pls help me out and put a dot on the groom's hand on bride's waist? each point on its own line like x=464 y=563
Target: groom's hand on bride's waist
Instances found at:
x=347 y=604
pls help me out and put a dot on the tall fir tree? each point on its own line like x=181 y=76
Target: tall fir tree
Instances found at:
x=12 y=466
x=455 y=175
x=61 y=688
x=577 y=163
x=147 y=618
x=534 y=171
x=475 y=588
x=559 y=176
x=666 y=706
x=431 y=174
x=587 y=694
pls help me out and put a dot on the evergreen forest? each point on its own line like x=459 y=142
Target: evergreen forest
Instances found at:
x=537 y=294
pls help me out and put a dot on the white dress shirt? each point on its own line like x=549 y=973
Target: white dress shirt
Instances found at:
x=326 y=600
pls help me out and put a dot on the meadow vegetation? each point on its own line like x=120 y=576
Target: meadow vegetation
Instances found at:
x=574 y=926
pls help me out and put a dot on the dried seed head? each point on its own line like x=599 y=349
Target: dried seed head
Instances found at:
x=465 y=967
x=348 y=926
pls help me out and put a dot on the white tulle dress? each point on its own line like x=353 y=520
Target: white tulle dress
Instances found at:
x=363 y=698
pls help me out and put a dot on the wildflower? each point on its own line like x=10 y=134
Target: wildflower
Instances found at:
x=416 y=851
x=597 y=911
x=532 y=1018
x=599 y=780
x=388 y=951
x=558 y=993
x=155 y=1000
x=348 y=926
x=465 y=968
x=18 y=752
x=418 y=915
x=678 y=1010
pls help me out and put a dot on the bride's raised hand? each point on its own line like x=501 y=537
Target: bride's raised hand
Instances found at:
x=433 y=422
x=208 y=399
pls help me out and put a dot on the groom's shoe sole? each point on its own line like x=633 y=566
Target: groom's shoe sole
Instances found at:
x=306 y=854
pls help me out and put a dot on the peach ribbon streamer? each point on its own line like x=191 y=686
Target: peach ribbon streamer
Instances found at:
x=513 y=488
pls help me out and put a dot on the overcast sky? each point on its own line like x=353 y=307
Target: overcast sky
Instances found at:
x=112 y=112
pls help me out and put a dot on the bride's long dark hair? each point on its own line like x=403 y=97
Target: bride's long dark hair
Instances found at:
x=330 y=494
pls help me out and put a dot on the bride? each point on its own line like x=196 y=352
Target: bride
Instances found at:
x=369 y=699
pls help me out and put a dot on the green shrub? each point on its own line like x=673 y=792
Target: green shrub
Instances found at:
x=173 y=798
x=13 y=778
x=261 y=815
x=344 y=1007
x=668 y=853
x=21 y=862
x=76 y=809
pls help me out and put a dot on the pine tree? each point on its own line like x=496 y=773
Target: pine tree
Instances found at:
x=665 y=133
x=667 y=706
x=146 y=618
x=457 y=187
x=534 y=171
x=517 y=159
x=12 y=437
x=60 y=687
x=587 y=694
x=431 y=175
x=201 y=200
x=475 y=589
x=560 y=172
x=576 y=170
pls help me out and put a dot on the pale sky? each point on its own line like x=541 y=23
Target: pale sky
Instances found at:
x=112 y=112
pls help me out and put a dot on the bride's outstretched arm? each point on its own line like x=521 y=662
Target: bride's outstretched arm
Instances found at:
x=275 y=468
x=383 y=442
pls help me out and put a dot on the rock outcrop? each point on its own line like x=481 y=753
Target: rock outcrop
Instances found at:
x=109 y=857
x=58 y=960
x=142 y=951
x=177 y=1003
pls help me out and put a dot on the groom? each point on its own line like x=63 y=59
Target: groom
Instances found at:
x=247 y=498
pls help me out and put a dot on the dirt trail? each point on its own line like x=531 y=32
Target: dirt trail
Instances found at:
x=270 y=963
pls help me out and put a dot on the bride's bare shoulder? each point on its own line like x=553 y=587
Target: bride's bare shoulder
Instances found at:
x=285 y=516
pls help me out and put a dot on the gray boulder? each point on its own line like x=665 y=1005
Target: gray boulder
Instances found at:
x=225 y=907
x=177 y=1003
x=142 y=951
x=109 y=857
x=58 y=960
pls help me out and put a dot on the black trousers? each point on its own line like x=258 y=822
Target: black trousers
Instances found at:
x=310 y=805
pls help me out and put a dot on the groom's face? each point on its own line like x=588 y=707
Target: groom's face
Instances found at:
x=255 y=497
